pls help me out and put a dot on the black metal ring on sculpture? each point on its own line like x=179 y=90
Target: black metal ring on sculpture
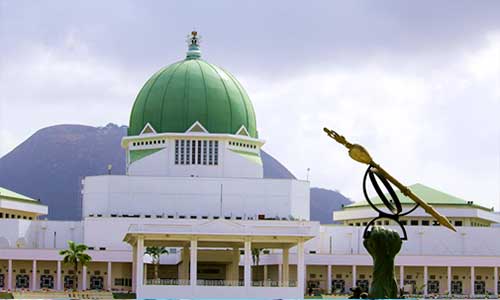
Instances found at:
x=394 y=206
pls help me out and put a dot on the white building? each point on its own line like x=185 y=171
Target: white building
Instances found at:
x=195 y=185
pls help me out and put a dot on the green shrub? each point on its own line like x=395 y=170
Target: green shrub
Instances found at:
x=124 y=296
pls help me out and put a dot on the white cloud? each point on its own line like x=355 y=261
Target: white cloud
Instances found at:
x=67 y=85
x=437 y=125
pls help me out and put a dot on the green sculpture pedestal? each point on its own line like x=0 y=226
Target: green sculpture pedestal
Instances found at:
x=383 y=245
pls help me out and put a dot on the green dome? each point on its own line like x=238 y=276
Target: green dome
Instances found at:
x=193 y=90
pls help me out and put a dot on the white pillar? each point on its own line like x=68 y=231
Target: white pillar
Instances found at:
x=248 y=264
x=301 y=268
x=236 y=266
x=33 y=276
x=449 y=280
x=426 y=280
x=280 y=275
x=109 y=277
x=286 y=267
x=472 y=279
x=84 y=278
x=9 y=275
x=401 y=276
x=265 y=275
x=354 y=276
x=193 y=262
x=329 y=279
x=134 y=268
x=58 y=276
x=139 y=262
x=495 y=278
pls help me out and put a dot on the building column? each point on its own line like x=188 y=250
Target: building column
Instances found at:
x=84 y=278
x=286 y=267
x=426 y=280
x=354 y=275
x=193 y=262
x=495 y=278
x=58 y=276
x=33 y=276
x=401 y=277
x=280 y=275
x=329 y=279
x=9 y=275
x=134 y=268
x=265 y=275
x=139 y=263
x=472 y=279
x=184 y=267
x=449 y=280
x=235 y=271
x=110 y=276
x=248 y=264
x=301 y=268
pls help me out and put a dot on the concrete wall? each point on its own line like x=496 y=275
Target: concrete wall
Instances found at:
x=187 y=196
x=422 y=240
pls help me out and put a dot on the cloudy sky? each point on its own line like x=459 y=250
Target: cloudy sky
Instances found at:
x=416 y=82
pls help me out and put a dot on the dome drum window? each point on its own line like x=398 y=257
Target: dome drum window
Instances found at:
x=147 y=143
x=196 y=152
x=243 y=145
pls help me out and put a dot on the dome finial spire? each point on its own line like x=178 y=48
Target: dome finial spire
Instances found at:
x=193 y=41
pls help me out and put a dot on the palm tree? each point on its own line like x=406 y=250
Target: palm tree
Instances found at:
x=155 y=252
x=256 y=255
x=75 y=255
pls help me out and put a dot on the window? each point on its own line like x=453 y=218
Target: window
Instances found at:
x=458 y=223
x=425 y=222
x=216 y=152
x=204 y=152
x=414 y=222
x=176 y=152
x=182 y=151
x=193 y=152
x=210 y=158
x=404 y=222
x=196 y=152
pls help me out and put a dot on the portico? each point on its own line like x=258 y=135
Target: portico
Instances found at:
x=221 y=241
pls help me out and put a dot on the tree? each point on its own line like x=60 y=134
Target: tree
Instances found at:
x=75 y=255
x=155 y=252
x=256 y=256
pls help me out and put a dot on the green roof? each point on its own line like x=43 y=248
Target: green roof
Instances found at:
x=429 y=195
x=5 y=193
x=191 y=90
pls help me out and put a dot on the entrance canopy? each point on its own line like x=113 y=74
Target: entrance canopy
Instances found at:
x=222 y=234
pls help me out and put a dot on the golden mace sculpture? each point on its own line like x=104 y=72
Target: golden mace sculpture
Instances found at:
x=359 y=154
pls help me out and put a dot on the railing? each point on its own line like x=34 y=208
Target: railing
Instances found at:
x=207 y=282
x=167 y=282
